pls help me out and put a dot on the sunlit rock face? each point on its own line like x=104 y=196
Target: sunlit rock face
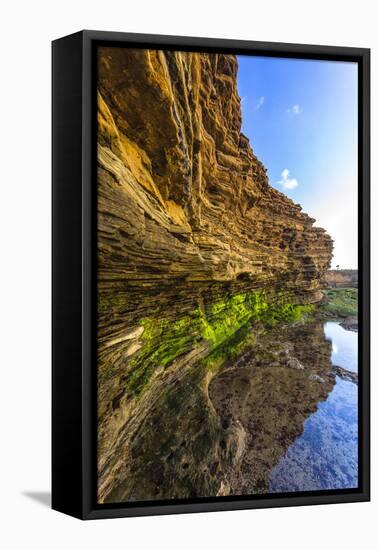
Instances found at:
x=193 y=242
x=182 y=194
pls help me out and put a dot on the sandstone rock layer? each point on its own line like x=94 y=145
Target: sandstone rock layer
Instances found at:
x=181 y=193
x=187 y=222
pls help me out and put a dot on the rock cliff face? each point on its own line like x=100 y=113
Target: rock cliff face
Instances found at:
x=182 y=194
x=192 y=240
x=342 y=278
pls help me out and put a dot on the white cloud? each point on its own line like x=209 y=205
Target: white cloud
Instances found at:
x=295 y=109
x=286 y=182
x=260 y=102
x=338 y=215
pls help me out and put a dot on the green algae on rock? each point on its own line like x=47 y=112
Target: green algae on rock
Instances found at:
x=163 y=340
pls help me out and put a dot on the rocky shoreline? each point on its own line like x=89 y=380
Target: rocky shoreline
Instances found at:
x=345 y=374
x=341 y=305
x=194 y=249
x=350 y=323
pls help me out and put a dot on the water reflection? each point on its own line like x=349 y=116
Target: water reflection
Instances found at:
x=344 y=344
x=325 y=456
x=269 y=417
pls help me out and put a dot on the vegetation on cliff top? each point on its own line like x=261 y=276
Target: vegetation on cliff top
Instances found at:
x=341 y=302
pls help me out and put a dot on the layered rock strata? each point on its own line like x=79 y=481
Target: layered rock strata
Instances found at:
x=192 y=240
x=181 y=193
x=206 y=431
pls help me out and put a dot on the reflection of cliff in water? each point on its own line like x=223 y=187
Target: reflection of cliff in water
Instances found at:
x=217 y=425
x=193 y=245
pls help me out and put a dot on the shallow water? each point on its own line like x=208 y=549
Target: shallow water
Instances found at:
x=264 y=412
x=325 y=455
x=344 y=345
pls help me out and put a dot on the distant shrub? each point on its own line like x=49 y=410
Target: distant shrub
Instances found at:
x=341 y=302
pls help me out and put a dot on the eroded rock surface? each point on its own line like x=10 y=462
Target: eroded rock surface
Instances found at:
x=208 y=428
x=193 y=243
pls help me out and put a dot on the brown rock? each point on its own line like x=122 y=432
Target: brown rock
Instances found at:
x=186 y=216
x=181 y=193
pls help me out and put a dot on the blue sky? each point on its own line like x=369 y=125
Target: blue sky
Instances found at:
x=301 y=118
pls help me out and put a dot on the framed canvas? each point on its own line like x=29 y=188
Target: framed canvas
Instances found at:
x=210 y=274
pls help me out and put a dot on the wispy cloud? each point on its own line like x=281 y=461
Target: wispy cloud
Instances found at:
x=286 y=182
x=295 y=109
x=260 y=102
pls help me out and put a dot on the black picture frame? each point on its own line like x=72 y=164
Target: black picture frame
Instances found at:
x=74 y=273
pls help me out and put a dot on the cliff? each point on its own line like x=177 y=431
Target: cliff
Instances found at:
x=181 y=193
x=192 y=240
x=342 y=278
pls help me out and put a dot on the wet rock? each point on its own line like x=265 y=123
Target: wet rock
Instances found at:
x=271 y=404
x=294 y=363
x=342 y=278
x=316 y=378
x=345 y=374
x=350 y=323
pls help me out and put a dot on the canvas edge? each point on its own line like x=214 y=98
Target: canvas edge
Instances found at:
x=86 y=507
